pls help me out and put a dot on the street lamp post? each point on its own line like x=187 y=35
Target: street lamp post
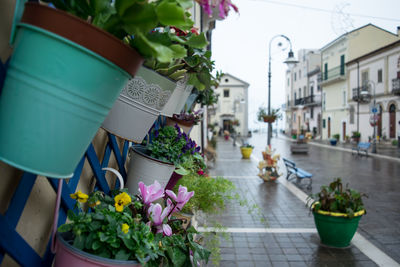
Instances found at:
x=290 y=61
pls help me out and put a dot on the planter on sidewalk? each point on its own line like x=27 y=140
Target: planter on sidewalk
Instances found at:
x=60 y=86
x=246 y=152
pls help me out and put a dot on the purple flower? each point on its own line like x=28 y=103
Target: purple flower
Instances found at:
x=156 y=133
x=182 y=198
x=157 y=216
x=151 y=193
x=177 y=128
x=197 y=149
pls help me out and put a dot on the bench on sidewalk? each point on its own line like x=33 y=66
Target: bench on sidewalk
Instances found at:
x=297 y=173
x=361 y=147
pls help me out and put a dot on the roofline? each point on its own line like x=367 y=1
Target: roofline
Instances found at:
x=347 y=33
x=227 y=74
x=381 y=49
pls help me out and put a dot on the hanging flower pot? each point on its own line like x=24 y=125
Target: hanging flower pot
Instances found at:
x=139 y=105
x=146 y=169
x=63 y=78
x=178 y=98
x=269 y=119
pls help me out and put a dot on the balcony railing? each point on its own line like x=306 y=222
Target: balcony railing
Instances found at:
x=396 y=86
x=331 y=74
x=312 y=100
x=299 y=101
x=360 y=96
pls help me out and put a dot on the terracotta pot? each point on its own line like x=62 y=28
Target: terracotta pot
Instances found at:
x=184 y=125
x=269 y=119
x=175 y=177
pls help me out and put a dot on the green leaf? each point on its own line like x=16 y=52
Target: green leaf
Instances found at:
x=103 y=237
x=179 y=51
x=65 y=228
x=151 y=49
x=192 y=61
x=176 y=255
x=171 y=14
x=79 y=242
x=186 y=4
x=177 y=75
x=99 y=5
x=139 y=18
x=122 y=255
x=96 y=244
x=122 y=5
x=197 y=41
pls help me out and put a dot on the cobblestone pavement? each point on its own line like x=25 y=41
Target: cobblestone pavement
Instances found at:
x=289 y=237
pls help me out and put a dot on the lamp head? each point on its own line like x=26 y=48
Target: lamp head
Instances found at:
x=291 y=60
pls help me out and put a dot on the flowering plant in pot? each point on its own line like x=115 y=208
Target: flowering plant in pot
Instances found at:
x=337 y=211
x=167 y=153
x=125 y=229
x=186 y=120
x=94 y=36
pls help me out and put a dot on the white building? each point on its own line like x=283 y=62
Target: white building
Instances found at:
x=382 y=68
x=303 y=94
x=232 y=105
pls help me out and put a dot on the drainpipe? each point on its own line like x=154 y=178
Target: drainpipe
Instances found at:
x=358 y=96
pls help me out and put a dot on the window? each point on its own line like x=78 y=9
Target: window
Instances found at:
x=294 y=95
x=305 y=91
x=299 y=74
x=351 y=114
x=324 y=123
x=323 y=101
x=299 y=92
x=295 y=76
x=364 y=77
x=288 y=81
x=344 y=98
x=312 y=90
x=304 y=116
x=379 y=75
x=342 y=65
x=319 y=88
x=294 y=117
x=326 y=71
x=226 y=92
x=312 y=113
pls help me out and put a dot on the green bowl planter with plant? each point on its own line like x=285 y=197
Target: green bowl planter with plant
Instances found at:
x=337 y=212
x=59 y=87
x=185 y=120
x=333 y=141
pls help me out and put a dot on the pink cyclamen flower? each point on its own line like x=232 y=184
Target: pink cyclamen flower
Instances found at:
x=157 y=216
x=182 y=198
x=151 y=193
x=200 y=172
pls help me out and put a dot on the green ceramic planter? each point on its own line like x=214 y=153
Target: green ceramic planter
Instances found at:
x=55 y=96
x=336 y=231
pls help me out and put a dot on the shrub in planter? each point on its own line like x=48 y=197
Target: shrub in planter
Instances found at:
x=337 y=211
x=263 y=116
x=132 y=228
x=186 y=120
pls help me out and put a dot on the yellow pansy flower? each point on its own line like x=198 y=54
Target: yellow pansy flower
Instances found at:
x=81 y=197
x=121 y=200
x=125 y=228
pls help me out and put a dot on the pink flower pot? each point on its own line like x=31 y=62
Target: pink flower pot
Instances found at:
x=68 y=256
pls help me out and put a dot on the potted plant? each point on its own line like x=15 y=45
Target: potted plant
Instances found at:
x=226 y=135
x=337 y=211
x=262 y=115
x=126 y=230
x=94 y=45
x=268 y=167
x=356 y=136
x=186 y=120
x=168 y=150
x=246 y=150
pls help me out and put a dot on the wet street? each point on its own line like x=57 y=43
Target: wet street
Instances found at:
x=289 y=238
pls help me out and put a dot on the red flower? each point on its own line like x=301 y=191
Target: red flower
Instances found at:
x=200 y=172
x=194 y=30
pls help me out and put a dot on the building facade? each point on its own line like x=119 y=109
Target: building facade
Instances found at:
x=303 y=94
x=335 y=108
x=232 y=106
x=375 y=77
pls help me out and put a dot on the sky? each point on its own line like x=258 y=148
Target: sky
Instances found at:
x=240 y=42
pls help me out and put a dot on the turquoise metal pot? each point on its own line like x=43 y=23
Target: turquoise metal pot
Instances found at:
x=55 y=97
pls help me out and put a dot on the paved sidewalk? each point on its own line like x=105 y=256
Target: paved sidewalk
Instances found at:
x=289 y=238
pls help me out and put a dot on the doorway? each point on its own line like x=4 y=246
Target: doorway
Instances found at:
x=392 y=121
x=379 y=133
